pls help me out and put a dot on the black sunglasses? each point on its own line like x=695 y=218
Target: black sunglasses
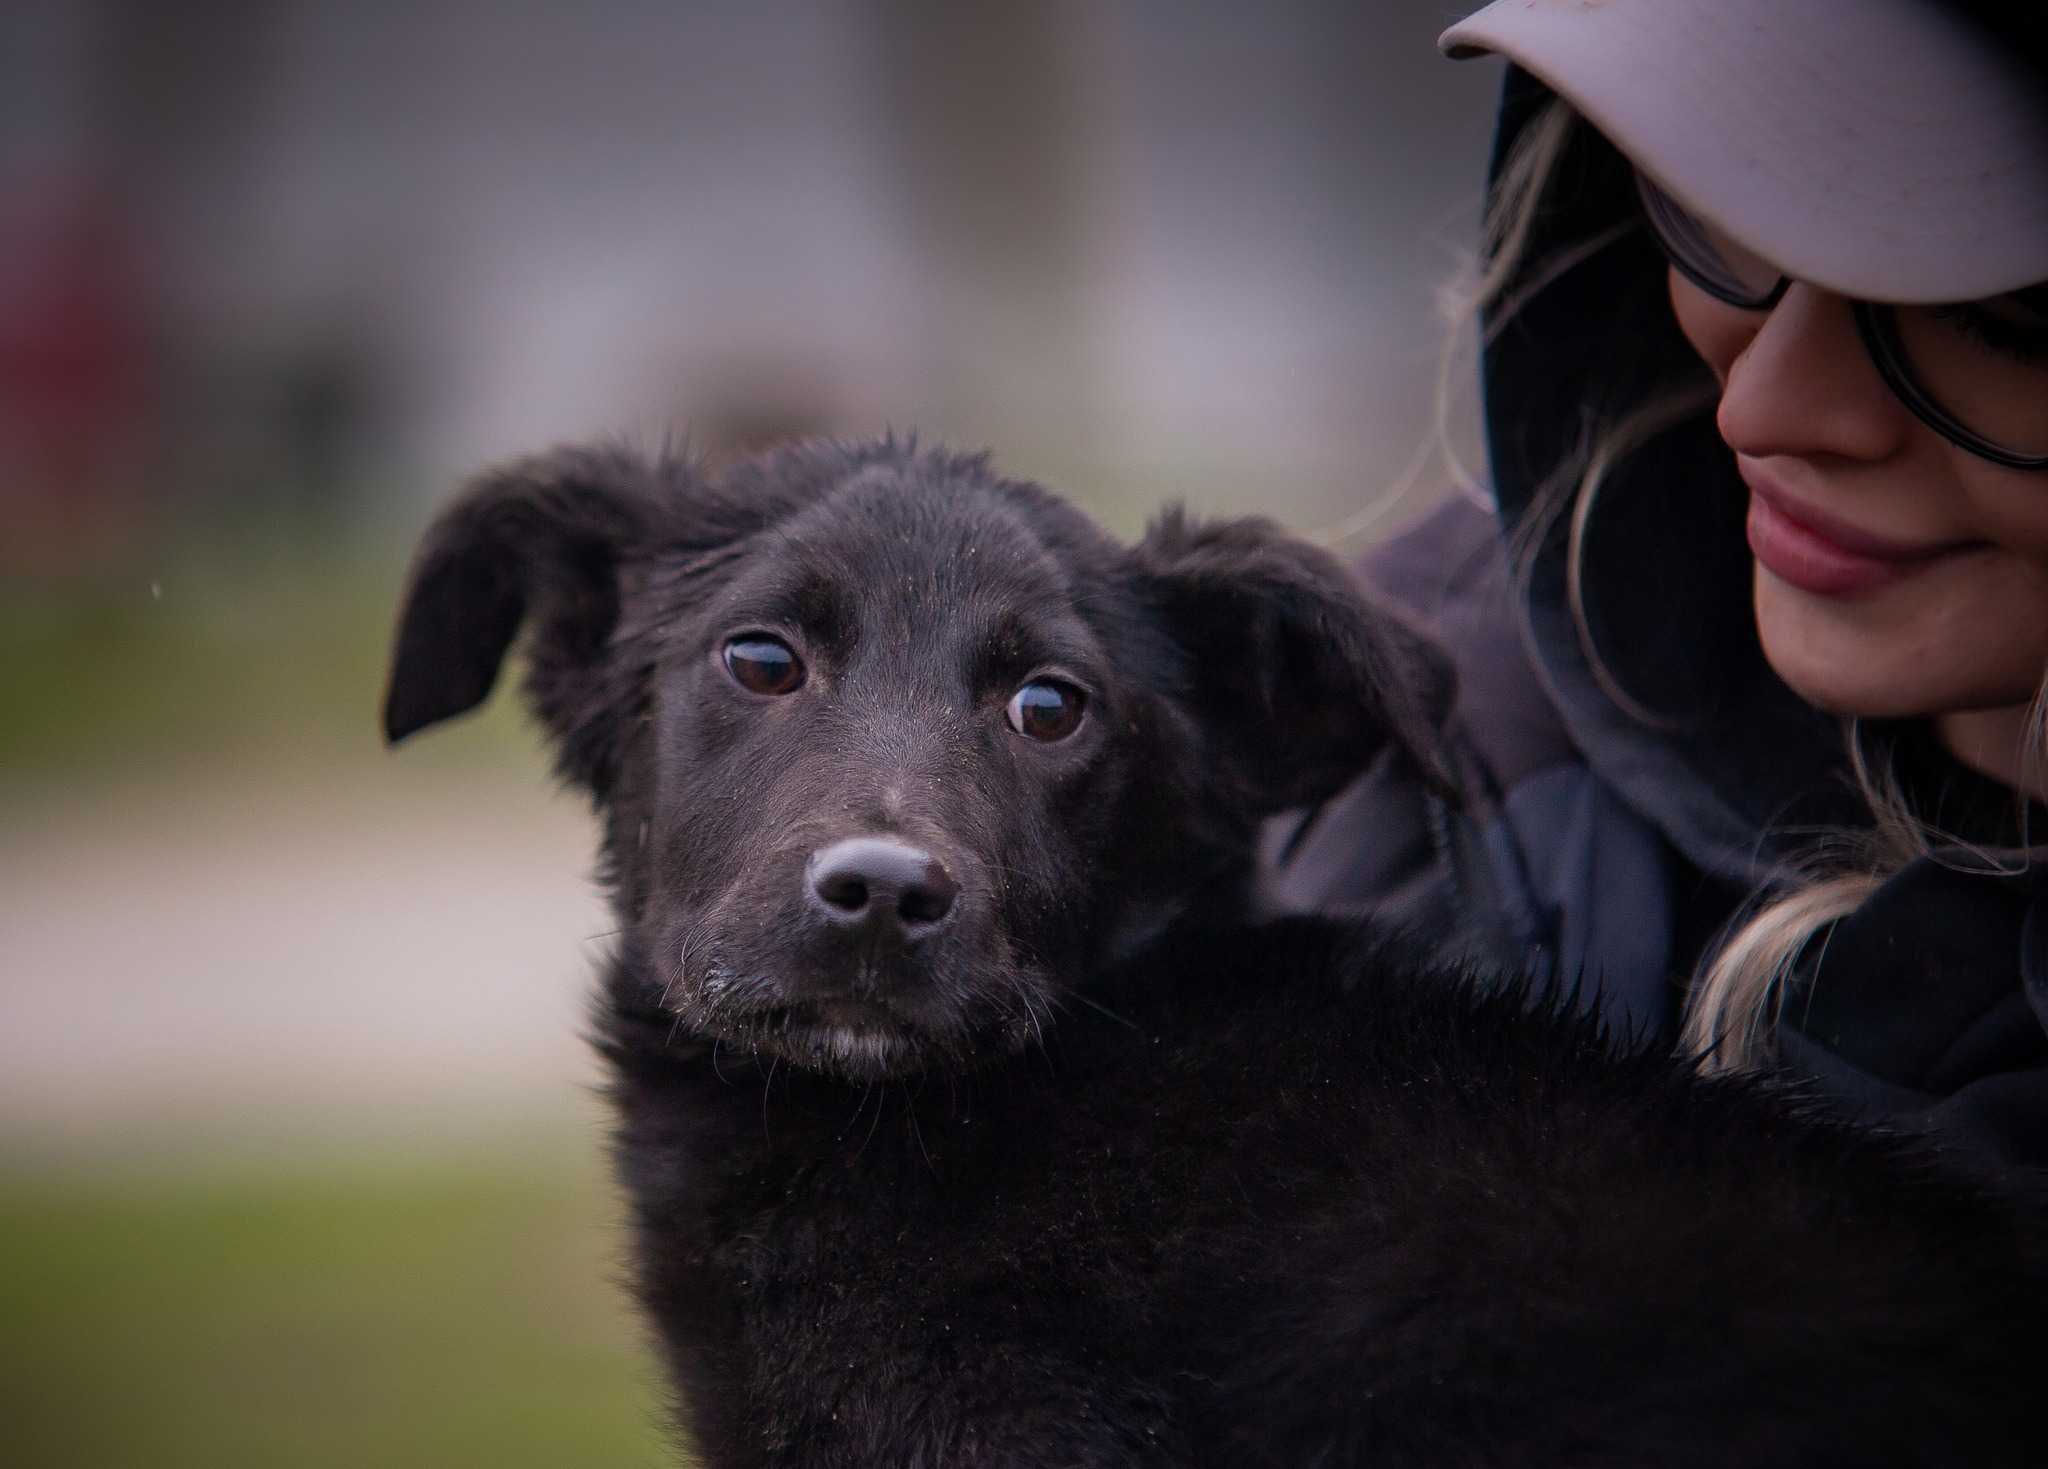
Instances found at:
x=1976 y=372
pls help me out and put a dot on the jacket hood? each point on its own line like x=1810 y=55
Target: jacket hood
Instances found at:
x=1717 y=753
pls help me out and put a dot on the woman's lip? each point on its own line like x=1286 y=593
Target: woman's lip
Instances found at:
x=1793 y=553
x=1839 y=532
x=1817 y=553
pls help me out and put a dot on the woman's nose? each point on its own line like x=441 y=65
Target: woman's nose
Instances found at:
x=1803 y=384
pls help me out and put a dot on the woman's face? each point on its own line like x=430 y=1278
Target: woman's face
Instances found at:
x=1897 y=575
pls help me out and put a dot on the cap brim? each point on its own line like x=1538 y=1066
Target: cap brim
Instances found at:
x=1878 y=148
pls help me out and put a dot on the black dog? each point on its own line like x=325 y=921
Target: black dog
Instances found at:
x=966 y=1115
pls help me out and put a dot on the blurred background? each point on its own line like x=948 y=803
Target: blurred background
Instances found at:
x=299 y=1163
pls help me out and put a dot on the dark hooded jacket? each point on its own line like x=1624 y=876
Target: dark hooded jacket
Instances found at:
x=1606 y=848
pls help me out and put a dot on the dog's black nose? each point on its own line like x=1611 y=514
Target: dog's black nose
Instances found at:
x=883 y=883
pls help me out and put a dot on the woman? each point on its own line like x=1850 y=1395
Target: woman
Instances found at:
x=1752 y=659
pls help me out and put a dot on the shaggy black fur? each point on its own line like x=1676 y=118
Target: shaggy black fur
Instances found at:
x=1064 y=1159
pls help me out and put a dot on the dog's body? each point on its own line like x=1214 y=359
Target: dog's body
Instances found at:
x=1281 y=1224
x=966 y=1115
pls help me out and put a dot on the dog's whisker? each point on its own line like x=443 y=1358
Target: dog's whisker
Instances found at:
x=857 y=1108
x=669 y=984
x=874 y=1121
x=918 y=1132
x=1029 y=1006
x=1101 y=1009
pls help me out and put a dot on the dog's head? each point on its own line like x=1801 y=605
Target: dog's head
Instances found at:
x=893 y=752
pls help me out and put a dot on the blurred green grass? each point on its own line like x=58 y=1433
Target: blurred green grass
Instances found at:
x=214 y=661
x=397 y=1313
x=349 y=1306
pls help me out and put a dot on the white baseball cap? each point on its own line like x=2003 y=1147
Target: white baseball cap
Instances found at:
x=1884 y=149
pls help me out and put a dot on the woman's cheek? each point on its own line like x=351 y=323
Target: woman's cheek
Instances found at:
x=2008 y=507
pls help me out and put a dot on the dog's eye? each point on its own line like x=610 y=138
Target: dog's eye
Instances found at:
x=764 y=665
x=1046 y=710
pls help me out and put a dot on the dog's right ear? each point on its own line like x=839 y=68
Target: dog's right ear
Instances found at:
x=539 y=541
x=1296 y=677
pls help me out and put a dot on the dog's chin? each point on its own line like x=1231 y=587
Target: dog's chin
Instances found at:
x=859 y=1042
x=842 y=1037
x=866 y=1024
x=853 y=1042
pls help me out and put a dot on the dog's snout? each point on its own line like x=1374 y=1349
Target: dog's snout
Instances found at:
x=879 y=882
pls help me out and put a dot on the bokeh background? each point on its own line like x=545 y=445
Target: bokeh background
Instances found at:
x=299 y=1163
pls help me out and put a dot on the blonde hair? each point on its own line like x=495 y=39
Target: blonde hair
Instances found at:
x=1738 y=989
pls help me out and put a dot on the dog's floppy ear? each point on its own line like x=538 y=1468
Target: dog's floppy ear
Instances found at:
x=538 y=541
x=1299 y=677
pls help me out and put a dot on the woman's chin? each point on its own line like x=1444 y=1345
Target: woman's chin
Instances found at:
x=1847 y=657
